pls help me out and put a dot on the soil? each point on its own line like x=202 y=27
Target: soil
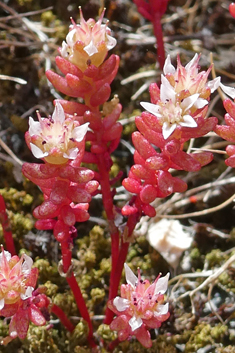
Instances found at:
x=202 y=313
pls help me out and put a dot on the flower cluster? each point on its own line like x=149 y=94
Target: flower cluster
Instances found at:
x=18 y=299
x=87 y=43
x=56 y=139
x=140 y=307
x=175 y=115
x=66 y=186
x=87 y=74
x=183 y=92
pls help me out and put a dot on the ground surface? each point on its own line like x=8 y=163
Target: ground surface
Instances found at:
x=202 y=318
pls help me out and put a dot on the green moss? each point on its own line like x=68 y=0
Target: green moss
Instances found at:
x=48 y=272
x=24 y=2
x=204 y=335
x=219 y=331
x=47 y=17
x=195 y=254
x=52 y=289
x=228 y=349
x=3 y=329
x=160 y=345
x=106 y=333
x=66 y=302
x=105 y=265
x=89 y=258
x=215 y=257
x=85 y=281
x=114 y=169
x=15 y=199
x=97 y=295
x=129 y=129
x=20 y=224
x=40 y=339
x=94 y=248
x=79 y=335
x=227 y=281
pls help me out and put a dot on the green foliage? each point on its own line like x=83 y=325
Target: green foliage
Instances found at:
x=203 y=335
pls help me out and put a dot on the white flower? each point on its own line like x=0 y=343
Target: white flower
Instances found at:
x=87 y=41
x=56 y=139
x=181 y=93
x=173 y=112
x=188 y=77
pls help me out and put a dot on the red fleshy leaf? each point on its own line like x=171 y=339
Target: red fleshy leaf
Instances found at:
x=101 y=96
x=66 y=67
x=232 y=9
x=36 y=316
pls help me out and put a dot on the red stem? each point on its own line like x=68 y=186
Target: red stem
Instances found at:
x=81 y=306
x=113 y=345
x=6 y=227
x=66 y=256
x=63 y=318
x=108 y=206
x=66 y=259
x=131 y=223
x=116 y=280
x=157 y=28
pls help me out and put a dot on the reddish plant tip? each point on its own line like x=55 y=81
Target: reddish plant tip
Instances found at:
x=232 y=9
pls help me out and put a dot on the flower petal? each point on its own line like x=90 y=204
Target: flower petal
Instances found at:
x=2 y=303
x=91 y=49
x=230 y=91
x=167 y=92
x=64 y=50
x=58 y=114
x=80 y=131
x=168 y=67
x=34 y=127
x=162 y=284
x=70 y=37
x=162 y=309
x=111 y=42
x=72 y=153
x=214 y=84
x=168 y=129
x=37 y=152
x=151 y=108
x=191 y=63
x=121 y=304
x=135 y=323
x=28 y=293
x=6 y=254
x=27 y=264
x=201 y=103
x=188 y=121
x=130 y=276
x=188 y=102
